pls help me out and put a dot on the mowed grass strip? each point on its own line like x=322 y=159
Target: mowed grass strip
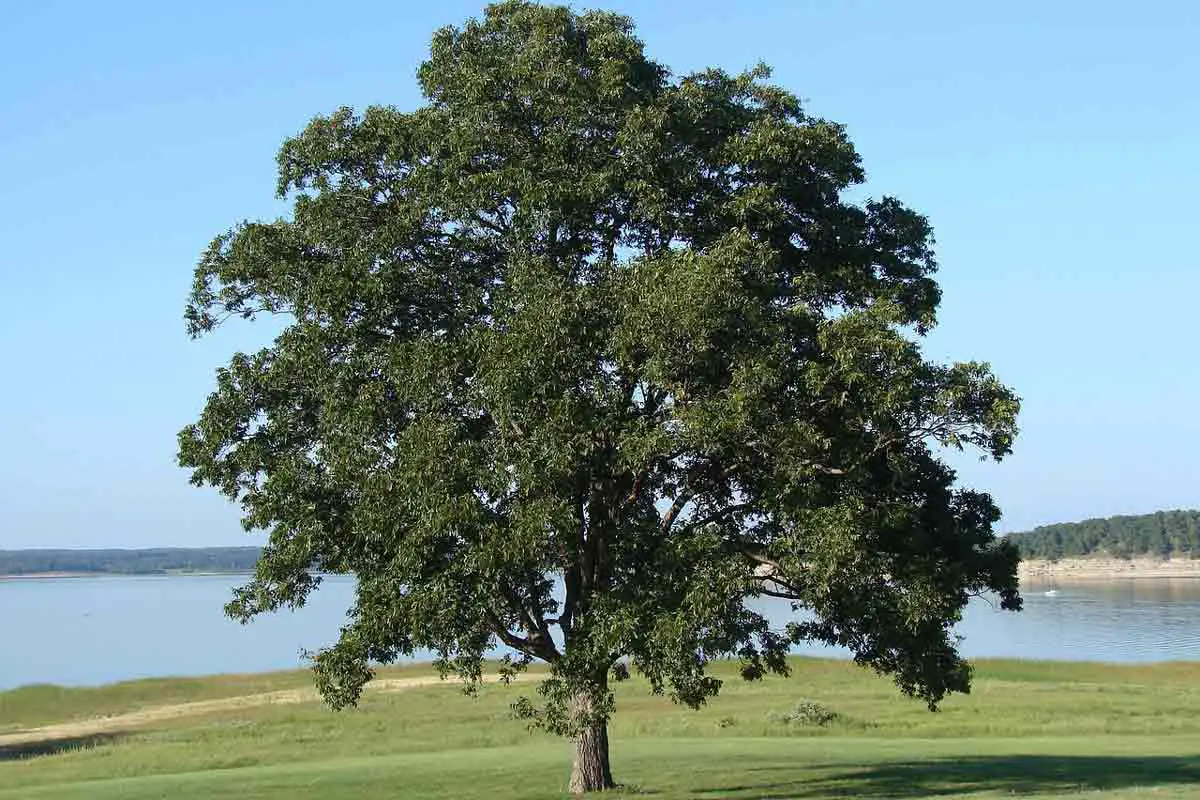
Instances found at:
x=743 y=768
x=1030 y=728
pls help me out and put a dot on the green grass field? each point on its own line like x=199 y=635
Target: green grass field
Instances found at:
x=1028 y=729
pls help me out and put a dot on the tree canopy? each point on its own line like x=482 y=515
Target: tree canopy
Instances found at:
x=578 y=357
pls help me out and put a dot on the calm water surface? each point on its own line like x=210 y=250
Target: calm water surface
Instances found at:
x=83 y=631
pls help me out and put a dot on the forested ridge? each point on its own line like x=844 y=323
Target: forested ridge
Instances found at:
x=152 y=561
x=1163 y=533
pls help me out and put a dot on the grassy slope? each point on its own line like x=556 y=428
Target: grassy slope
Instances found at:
x=41 y=704
x=1029 y=728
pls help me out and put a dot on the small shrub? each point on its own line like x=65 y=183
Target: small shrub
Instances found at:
x=726 y=722
x=806 y=712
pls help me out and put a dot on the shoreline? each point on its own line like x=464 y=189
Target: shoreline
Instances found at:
x=1105 y=568
x=1087 y=568
x=42 y=576
x=31 y=576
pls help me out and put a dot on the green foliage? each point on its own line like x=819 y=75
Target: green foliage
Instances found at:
x=1164 y=533
x=578 y=323
x=149 y=561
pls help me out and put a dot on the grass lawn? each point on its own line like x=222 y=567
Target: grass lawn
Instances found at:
x=1028 y=729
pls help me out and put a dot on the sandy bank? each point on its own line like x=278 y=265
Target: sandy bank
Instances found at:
x=1104 y=568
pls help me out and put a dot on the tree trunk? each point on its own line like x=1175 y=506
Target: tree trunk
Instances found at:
x=591 y=771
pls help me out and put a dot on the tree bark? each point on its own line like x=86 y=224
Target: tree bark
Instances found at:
x=591 y=771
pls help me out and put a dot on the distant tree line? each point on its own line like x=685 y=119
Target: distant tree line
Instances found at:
x=1165 y=533
x=156 y=561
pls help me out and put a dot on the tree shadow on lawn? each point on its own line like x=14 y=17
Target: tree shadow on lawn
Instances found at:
x=1007 y=774
x=49 y=747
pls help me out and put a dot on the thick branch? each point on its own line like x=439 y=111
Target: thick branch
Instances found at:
x=543 y=625
x=572 y=571
x=716 y=515
x=640 y=479
x=689 y=492
x=610 y=242
x=534 y=646
x=676 y=509
x=787 y=586
x=756 y=555
x=599 y=516
x=536 y=628
x=780 y=595
x=768 y=570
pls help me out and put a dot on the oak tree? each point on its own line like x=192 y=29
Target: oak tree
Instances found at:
x=578 y=357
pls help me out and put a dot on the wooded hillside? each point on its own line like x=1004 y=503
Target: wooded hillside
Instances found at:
x=1164 y=533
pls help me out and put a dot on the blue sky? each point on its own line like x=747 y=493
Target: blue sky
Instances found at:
x=1053 y=146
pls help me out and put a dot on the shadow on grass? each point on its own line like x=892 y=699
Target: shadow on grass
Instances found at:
x=48 y=747
x=1005 y=774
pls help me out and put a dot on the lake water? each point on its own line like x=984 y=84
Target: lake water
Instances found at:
x=84 y=631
